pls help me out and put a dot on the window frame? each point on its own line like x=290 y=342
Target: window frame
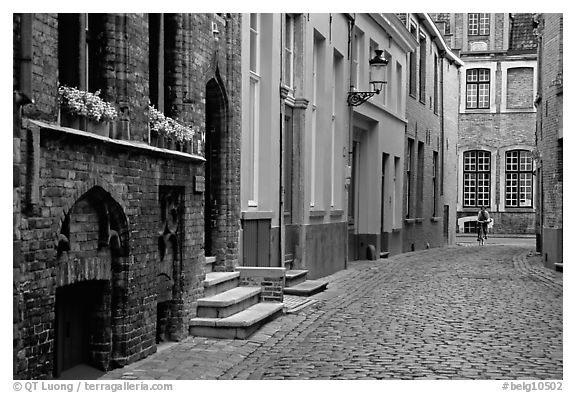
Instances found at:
x=474 y=173
x=289 y=41
x=478 y=24
x=478 y=84
x=510 y=171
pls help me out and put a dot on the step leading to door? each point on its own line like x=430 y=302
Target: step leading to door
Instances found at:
x=306 y=288
x=228 y=303
x=209 y=264
x=295 y=277
x=240 y=325
x=218 y=282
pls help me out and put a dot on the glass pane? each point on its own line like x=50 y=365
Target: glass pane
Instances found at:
x=511 y=189
x=525 y=161
x=471 y=96
x=483 y=161
x=472 y=75
x=512 y=161
x=526 y=189
x=484 y=75
x=254 y=21
x=484 y=24
x=253 y=51
x=469 y=161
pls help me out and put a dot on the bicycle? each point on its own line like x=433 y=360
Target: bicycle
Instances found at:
x=482 y=230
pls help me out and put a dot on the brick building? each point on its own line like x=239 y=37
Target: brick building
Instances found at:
x=112 y=224
x=496 y=117
x=431 y=138
x=549 y=138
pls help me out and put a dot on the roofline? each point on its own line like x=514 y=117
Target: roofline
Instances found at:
x=437 y=37
x=396 y=29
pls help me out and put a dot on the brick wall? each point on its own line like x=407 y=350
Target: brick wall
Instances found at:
x=549 y=136
x=425 y=225
x=89 y=210
x=520 y=88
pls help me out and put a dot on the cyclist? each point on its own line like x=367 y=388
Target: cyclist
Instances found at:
x=483 y=220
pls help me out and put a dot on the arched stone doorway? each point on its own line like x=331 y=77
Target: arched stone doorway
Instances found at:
x=215 y=205
x=91 y=273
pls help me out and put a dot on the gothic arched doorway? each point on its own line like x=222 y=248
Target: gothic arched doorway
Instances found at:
x=215 y=183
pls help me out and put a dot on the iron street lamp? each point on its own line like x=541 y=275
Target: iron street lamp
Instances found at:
x=377 y=80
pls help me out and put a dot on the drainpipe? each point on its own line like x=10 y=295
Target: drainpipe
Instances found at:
x=281 y=151
x=351 y=24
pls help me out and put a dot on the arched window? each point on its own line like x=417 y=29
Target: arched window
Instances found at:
x=518 y=178
x=477 y=178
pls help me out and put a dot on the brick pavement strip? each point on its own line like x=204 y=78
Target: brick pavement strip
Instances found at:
x=455 y=312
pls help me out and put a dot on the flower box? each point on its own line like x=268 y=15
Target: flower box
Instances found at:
x=86 y=111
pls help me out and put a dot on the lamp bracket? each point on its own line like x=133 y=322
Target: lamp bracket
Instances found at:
x=356 y=98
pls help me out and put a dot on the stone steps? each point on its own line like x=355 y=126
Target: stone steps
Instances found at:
x=306 y=288
x=209 y=264
x=218 y=282
x=294 y=277
x=238 y=326
x=228 y=310
x=298 y=285
x=228 y=303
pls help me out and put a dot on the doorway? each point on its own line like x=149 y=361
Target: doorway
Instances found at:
x=215 y=165
x=82 y=324
x=352 y=204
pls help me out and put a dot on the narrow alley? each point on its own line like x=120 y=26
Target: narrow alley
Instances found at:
x=448 y=313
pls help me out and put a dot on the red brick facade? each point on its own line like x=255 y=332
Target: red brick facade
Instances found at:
x=117 y=222
x=549 y=138
x=429 y=202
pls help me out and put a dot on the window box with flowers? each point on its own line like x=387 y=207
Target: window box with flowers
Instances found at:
x=166 y=132
x=86 y=111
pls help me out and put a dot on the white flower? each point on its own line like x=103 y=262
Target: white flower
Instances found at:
x=83 y=103
x=164 y=125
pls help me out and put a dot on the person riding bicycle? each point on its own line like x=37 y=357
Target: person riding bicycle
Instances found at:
x=483 y=220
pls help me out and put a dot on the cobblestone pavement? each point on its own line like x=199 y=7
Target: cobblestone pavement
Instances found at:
x=450 y=313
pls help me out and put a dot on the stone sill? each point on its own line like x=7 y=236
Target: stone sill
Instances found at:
x=317 y=213
x=409 y=220
x=257 y=215
x=269 y=272
x=435 y=219
x=336 y=213
x=118 y=142
x=396 y=230
x=419 y=220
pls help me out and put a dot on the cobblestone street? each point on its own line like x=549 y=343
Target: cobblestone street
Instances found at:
x=451 y=313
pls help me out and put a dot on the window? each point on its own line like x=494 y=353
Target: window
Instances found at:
x=289 y=51
x=399 y=89
x=81 y=50
x=478 y=24
x=422 y=71
x=518 y=178
x=409 y=153
x=478 y=88
x=254 y=43
x=420 y=181
x=337 y=87
x=317 y=87
x=254 y=111
x=412 y=81
x=477 y=178
x=435 y=84
x=434 y=182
